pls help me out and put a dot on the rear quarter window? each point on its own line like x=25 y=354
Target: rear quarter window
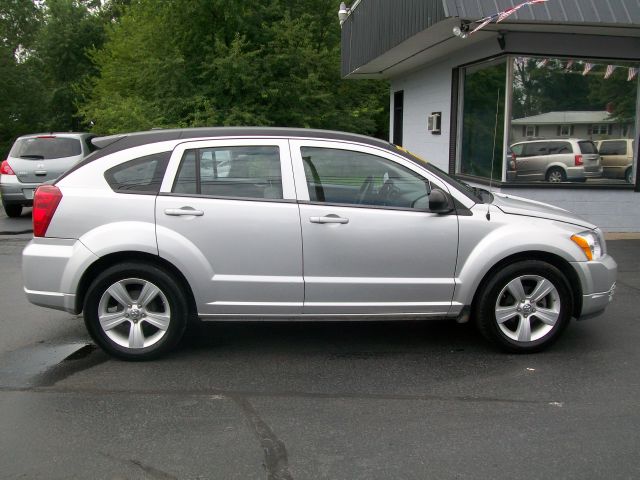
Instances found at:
x=142 y=175
x=613 y=148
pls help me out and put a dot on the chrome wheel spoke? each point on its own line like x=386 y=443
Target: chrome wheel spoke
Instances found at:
x=148 y=293
x=120 y=294
x=516 y=289
x=523 y=332
x=543 y=288
x=111 y=320
x=136 y=337
x=547 y=316
x=158 y=320
x=506 y=313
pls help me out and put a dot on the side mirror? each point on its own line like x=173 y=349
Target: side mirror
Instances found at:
x=440 y=202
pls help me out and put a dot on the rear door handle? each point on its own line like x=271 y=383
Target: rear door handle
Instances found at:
x=178 y=212
x=329 y=219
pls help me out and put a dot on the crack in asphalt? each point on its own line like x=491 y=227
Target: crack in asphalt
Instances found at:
x=148 y=469
x=276 y=462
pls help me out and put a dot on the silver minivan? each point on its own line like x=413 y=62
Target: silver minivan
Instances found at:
x=156 y=229
x=35 y=159
x=557 y=160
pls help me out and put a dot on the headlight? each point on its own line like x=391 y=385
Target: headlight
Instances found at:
x=591 y=242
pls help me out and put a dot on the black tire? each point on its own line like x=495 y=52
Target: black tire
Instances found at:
x=13 y=210
x=556 y=173
x=131 y=271
x=495 y=286
x=627 y=175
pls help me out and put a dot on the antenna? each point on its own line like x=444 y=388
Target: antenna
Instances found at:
x=493 y=154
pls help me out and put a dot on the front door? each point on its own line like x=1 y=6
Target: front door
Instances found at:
x=228 y=218
x=371 y=247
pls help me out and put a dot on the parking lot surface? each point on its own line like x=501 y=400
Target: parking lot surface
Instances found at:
x=405 y=400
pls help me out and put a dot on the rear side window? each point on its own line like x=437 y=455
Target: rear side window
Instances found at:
x=613 y=148
x=46 y=148
x=143 y=175
x=588 y=147
x=535 y=149
x=234 y=172
x=556 y=148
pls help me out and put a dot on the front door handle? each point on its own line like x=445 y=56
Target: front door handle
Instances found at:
x=177 y=212
x=329 y=219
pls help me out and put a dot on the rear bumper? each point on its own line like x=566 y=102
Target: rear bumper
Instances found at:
x=52 y=268
x=598 y=279
x=14 y=191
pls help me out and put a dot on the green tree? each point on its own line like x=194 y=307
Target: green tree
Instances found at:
x=231 y=62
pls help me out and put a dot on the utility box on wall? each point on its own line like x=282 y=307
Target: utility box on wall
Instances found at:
x=433 y=123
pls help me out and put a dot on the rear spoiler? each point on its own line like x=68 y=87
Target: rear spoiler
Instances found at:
x=102 y=142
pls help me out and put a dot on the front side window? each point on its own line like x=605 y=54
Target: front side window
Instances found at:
x=142 y=175
x=356 y=178
x=234 y=172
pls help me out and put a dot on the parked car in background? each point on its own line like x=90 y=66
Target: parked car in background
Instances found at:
x=573 y=160
x=35 y=159
x=159 y=227
x=617 y=158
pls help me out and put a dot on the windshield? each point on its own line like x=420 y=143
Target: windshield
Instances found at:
x=46 y=147
x=471 y=192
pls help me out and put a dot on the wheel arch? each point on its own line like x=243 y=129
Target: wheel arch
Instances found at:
x=573 y=281
x=130 y=256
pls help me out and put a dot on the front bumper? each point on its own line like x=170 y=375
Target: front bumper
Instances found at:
x=598 y=279
x=52 y=268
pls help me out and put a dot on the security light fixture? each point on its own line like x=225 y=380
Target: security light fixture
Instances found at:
x=461 y=31
x=343 y=13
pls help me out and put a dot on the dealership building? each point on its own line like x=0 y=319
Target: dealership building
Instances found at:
x=521 y=105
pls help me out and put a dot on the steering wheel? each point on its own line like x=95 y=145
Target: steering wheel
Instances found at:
x=365 y=189
x=388 y=192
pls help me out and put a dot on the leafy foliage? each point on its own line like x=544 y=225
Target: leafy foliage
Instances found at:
x=126 y=65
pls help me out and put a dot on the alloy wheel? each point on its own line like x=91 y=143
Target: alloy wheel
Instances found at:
x=134 y=313
x=528 y=308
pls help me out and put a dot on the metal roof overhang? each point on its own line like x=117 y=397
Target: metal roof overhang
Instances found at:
x=438 y=42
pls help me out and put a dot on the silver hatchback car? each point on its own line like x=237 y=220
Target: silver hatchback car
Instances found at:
x=35 y=159
x=160 y=227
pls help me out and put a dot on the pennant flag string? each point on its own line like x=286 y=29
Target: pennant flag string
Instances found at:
x=500 y=16
x=587 y=67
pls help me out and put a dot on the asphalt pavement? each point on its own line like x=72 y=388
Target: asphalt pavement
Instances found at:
x=402 y=400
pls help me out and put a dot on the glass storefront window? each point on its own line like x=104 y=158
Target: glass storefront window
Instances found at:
x=571 y=121
x=482 y=143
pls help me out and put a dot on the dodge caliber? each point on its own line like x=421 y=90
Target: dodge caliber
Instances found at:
x=155 y=229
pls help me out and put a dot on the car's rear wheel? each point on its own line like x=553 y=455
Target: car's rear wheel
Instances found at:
x=135 y=311
x=13 y=210
x=524 y=307
x=556 y=175
x=627 y=175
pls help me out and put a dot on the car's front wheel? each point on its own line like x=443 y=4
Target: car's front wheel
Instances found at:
x=13 y=210
x=524 y=307
x=135 y=311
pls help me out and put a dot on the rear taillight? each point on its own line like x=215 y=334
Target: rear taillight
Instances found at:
x=578 y=161
x=512 y=163
x=5 y=168
x=45 y=202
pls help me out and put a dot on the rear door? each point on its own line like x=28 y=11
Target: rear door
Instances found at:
x=590 y=156
x=532 y=164
x=370 y=245
x=228 y=218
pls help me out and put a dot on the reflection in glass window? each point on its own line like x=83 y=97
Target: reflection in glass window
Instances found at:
x=482 y=142
x=584 y=101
